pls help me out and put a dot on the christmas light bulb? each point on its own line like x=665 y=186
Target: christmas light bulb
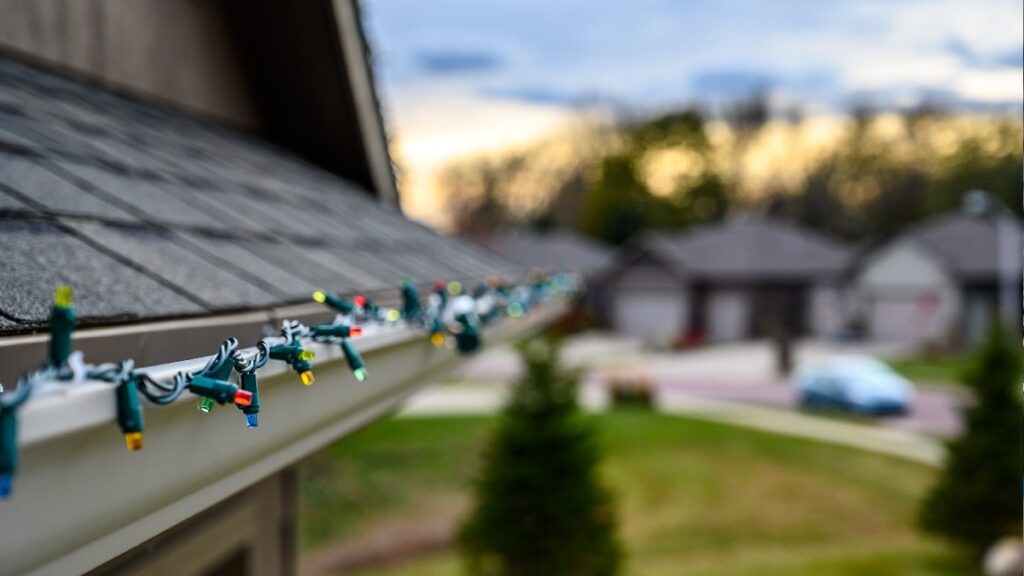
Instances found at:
x=297 y=358
x=62 y=296
x=337 y=330
x=8 y=450
x=248 y=382
x=336 y=302
x=355 y=362
x=133 y=440
x=242 y=398
x=129 y=413
x=393 y=315
x=410 y=301
x=467 y=338
x=437 y=339
x=62 y=324
x=219 y=391
x=454 y=288
x=359 y=300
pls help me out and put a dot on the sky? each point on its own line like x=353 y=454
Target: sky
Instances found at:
x=460 y=77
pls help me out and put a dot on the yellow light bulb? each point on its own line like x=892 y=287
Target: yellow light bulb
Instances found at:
x=307 y=377
x=394 y=315
x=454 y=288
x=437 y=339
x=307 y=355
x=133 y=440
x=319 y=296
x=62 y=296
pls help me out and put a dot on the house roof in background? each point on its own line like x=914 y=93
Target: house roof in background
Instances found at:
x=752 y=248
x=554 y=249
x=967 y=245
x=152 y=213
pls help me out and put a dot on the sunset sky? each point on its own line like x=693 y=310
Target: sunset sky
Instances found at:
x=459 y=77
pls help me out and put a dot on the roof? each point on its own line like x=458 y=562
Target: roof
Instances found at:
x=152 y=213
x=752 y=249
x=967 y=245
x=554 y=249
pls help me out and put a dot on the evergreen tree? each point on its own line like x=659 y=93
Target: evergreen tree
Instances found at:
x=540 y=509
x=978 y=499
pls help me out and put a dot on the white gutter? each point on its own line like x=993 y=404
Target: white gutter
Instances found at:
x=80 y=498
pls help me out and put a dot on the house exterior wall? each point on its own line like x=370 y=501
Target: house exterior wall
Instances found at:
x=166 y=50
x=651 y=304
x=904 y=294
x=827 y=310
x=728 y=314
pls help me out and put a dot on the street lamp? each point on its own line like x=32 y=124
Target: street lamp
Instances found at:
x=1009 y=250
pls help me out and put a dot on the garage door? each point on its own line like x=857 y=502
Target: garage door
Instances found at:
x=913 y=320
x=728 y=315
x=651 y=314
x=893 y=320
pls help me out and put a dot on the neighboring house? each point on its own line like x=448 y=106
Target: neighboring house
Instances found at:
x=938 y=282
x=739 y=279
x=557 y=249
x=195 y=170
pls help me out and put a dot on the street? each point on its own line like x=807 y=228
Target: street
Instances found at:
x=741 y=373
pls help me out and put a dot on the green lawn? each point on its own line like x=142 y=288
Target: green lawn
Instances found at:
x=931 y=369
x=694 y=498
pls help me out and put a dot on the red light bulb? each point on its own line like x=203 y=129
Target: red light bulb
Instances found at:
x=243 y=398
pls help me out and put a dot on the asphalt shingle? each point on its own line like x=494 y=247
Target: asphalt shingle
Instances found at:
x=754 y=248
x=161 y=255
x=552 y=250
x=150 y=212
x=968 y=245
x=9 y=202
x=51 y=193
x=252 y=256
x=40 y=255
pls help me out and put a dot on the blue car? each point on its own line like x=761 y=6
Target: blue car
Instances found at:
x=858 y=384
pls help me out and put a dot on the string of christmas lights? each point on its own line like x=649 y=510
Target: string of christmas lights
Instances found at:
x=449 y=316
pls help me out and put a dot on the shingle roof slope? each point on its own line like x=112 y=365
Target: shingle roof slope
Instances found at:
x=556 y=249
x=753 y=249
x=149 y=212
x=968 y=245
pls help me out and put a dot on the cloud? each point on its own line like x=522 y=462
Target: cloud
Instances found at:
x=728 y=82
x=972 y=58
x=1013 y=58
x=543 y=96
x=445 y=62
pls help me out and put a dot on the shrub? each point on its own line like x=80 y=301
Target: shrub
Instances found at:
x=540 y=509
x=631 y=391
x=978 y=498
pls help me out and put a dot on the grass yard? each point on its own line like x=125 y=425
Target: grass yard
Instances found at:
x=932 y=369
x=693 y=498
